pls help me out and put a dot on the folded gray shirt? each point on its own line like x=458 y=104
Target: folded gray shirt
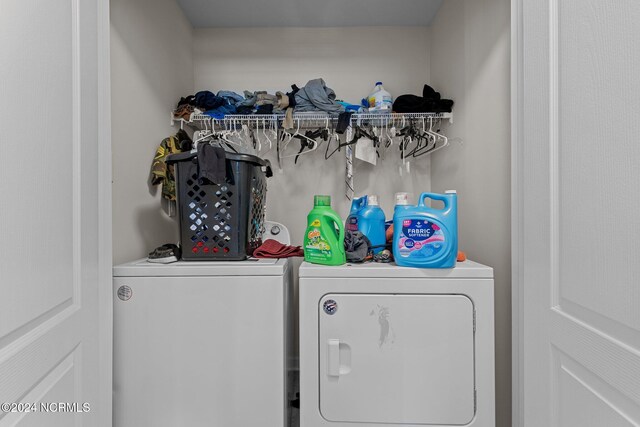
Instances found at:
x=316 y=96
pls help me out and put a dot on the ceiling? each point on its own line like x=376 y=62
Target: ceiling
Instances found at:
x=309 y=13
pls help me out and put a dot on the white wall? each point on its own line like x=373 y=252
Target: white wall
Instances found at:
x=470 y=62
x=151 y=67
x=350 y=60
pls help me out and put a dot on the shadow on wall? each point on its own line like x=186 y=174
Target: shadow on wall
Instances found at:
x=473 y=67
x=135 y=22
x=151 y=67
x=154 y=227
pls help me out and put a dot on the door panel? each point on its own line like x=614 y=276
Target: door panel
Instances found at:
x=598 y=182
x=59 y=385
x=397 y=359
x=52 y=260
x=579 y=234
x=574 y=393
x=26 y=221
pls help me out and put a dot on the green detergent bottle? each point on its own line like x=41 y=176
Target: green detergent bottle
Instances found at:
x=324 y=239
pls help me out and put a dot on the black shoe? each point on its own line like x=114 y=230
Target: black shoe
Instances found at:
x=165 y=254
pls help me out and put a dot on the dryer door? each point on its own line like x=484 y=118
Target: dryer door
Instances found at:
x=397 y=359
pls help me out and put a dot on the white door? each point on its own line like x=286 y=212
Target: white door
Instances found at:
x=55 y=351
x=397 y=359
x=577 y=223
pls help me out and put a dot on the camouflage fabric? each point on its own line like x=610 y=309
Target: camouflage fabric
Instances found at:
x=160 y=172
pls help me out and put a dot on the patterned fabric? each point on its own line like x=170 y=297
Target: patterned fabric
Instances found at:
x=161 y=173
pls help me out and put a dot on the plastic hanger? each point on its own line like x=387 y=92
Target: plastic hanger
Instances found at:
x=307 y=142
x=224 y=136
x=332 y=136
x=443 y=138
x=434 y=146
x=289 y=136
x=391 y=133
x=424 y=141
x=281 y=144
x=266 y=136
x=202 y=135
x=357 y=134
x=409 y=134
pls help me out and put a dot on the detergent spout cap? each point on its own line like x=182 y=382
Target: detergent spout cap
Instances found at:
x=451 y=192
x=372 y=200
x=402 y=199
x=322 y=200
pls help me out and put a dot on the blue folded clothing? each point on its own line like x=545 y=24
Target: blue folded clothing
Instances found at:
x=220 y=112
x=350 y=107
x=230 y=97
x=206 y=100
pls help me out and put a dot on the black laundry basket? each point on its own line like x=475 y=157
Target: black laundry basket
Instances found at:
x=221 y=221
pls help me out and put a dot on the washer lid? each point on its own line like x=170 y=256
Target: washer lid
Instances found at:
x=463 y=270
x=249 y=267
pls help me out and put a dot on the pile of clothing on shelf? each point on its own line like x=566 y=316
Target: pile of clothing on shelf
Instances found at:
x=315 y=96
x=206 y=102
x=429 y=102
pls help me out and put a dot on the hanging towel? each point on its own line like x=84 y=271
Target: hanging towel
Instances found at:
x=212 y=167
x=274 y=249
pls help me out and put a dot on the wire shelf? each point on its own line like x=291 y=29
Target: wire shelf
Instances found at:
x=201 y=120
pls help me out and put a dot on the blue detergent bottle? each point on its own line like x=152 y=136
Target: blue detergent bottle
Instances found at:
x=425 y=237
x=367 y=217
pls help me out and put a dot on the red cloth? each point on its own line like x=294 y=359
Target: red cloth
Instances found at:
x=273 y=249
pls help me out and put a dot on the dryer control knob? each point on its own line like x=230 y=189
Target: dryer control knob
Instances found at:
x=275 y=230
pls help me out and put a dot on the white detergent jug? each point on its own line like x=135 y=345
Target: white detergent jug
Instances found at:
x=380 y=99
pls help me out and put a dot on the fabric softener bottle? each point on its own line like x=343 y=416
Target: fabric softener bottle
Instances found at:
x=367 y=217
x=324 y=239
x=425 y=237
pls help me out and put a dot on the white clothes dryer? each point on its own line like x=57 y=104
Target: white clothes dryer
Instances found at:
x=382 y=345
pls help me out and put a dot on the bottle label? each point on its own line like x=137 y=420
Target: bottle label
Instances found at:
x=420 y=239
x=317 y=248
x=352 y=223
x=381 y=103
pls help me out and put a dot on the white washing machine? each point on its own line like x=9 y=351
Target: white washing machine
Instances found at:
x=202 y=343
x=382 y=345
